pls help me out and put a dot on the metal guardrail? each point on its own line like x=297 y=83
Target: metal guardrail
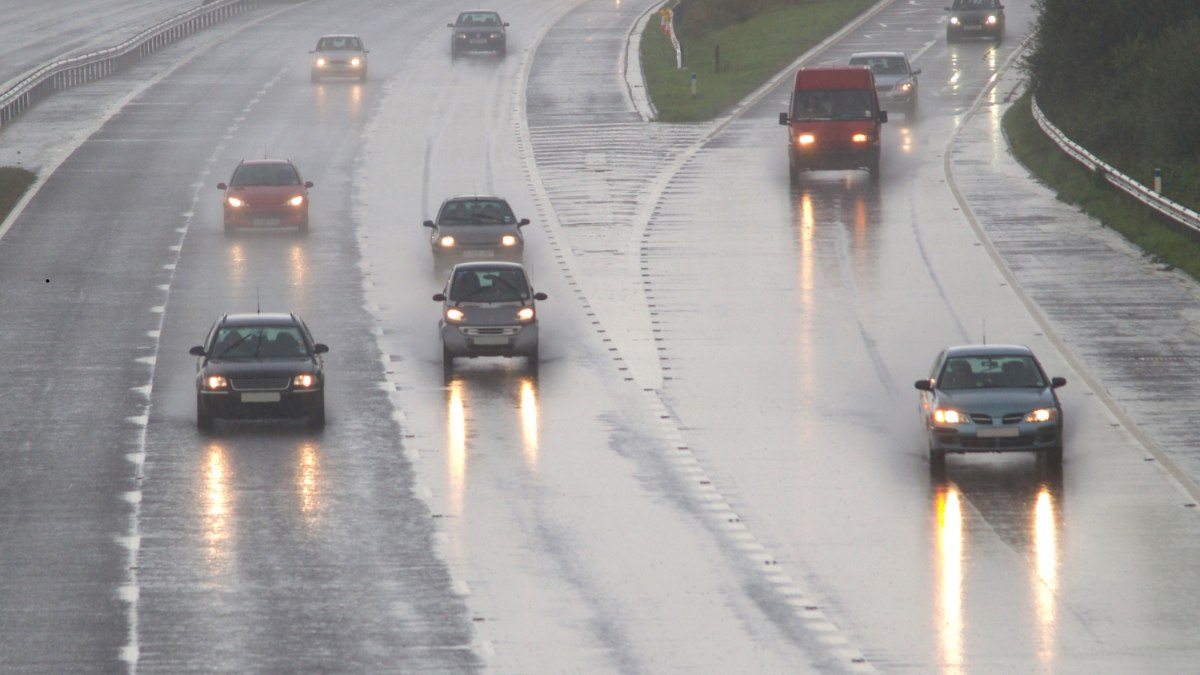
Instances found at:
x=1171 y=209
x=65 y=73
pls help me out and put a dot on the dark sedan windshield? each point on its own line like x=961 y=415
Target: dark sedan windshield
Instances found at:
x=251 y=342
x=481 y=19
x=990 y=372
x=476 y=212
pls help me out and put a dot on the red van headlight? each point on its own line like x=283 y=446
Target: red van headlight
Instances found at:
x=805 y=139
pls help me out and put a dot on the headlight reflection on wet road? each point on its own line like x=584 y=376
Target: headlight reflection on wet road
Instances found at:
x=948 y=614
x=216 y=504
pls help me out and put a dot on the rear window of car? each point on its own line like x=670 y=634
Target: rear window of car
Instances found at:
x=335 y=43
x=479 y=19
x=476 y=212
x=881 y=65
x=265 y=174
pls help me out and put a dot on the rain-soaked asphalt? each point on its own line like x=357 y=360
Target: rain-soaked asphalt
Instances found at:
x=717 y=467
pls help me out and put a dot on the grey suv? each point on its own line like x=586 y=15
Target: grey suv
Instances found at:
x=488 y=309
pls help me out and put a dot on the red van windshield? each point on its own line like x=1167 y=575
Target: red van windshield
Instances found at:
x=832 y=104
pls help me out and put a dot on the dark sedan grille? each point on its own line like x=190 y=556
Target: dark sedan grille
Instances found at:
x=259 y=383
x=988 y=420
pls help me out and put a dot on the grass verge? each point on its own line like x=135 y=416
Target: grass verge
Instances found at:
x=750 y=54
x=1154 y=234
x=13 y=184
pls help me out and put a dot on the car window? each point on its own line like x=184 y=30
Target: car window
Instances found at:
x=265 y=174
x=339 y=43
x=833 y=104
x=489 y=285
x=476 y=212
x=881 y=65
x=262 y=342
x=990 y=372
x=478 y=19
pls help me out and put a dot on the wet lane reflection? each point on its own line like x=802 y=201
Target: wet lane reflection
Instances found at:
x=1021 y=504
x=216 y=493
x=481 y=392
x=308 y=479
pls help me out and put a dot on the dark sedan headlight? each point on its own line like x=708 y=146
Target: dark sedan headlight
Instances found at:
x=215 y=383
x=950 y=416
x=954 y=21
x=1042 y=415
x=992 y=20
x=493 y=36
x=304 y=381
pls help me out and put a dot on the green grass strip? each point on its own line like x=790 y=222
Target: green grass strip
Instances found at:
x=1164 y=241
x=13 y=184
x=750 y=53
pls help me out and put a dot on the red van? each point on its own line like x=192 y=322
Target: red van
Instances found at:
x=834 y=120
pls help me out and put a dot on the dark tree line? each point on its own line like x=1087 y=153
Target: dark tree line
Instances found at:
x=1122 y=77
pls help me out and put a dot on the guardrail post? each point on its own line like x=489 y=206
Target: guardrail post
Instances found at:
x=1158 y=179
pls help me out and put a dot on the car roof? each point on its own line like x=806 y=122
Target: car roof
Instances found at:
x=260 y=319
x=490 y=265
x=461 y=198
x=869 y=55
x=338 y=35
x=266 y=161
x=989 y=350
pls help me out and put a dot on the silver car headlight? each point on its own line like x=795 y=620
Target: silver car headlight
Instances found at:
x=950 y=416
x=1042 y=415
x=904 y=87
x=321 y=61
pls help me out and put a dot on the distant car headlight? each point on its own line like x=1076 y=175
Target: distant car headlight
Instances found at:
x=1042 y=415
x=304 y=381
x=954 y=21
x=216 y=383
x=991 y=20
x=859 y=138
x=356 y=62
x=235 y=202
x=493 y=36
x=446 y=242
x=460 y=36
x=950 y=416
x=806 y=139
x=455 y=315
x=508 y=240
x=904 y=87
x=525 y=314
x=297 y=200
x=321 y=61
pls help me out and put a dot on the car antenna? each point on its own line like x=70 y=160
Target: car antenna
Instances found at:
x=984 y=322
x=257 y=301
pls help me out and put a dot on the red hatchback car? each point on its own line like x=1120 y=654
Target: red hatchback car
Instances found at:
x=266 y=193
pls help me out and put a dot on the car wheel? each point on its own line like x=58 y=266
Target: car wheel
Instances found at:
x=532 y=357
x=453 y=52
x=793 y=173
x=316 y=414
x=363 y=76
x=949 y=36
x=873 y=169
x=502 y=51
x=911 y=112
x=204 y=420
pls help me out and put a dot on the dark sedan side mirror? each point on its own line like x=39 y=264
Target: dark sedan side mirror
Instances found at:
x=428 y=223
x=1056 y=382
x=783 y=119
x=222 y=186
x=308 y=183
x=923 y=385
x=440 y=297
x=196 y=351
x=540 y=296
x=320 y=348
x=916 y=71
x=505 y=24
x=450 y=25
x=522 y=222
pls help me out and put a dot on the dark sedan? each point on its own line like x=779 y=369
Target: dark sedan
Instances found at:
x=478 y=31
x=260 y=365
x=975 y=18
x=991 y=398
x=475 y=228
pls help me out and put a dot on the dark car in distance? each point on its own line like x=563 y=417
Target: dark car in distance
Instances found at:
x=475 y=228
x=991 y=398
x=260 y=366
x=266 y=193
x=975 y=18
x=478 y=31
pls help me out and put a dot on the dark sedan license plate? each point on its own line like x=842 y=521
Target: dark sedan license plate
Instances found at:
x=260 y=397
x=999 y=432
x=479 y=41
x=490 y=340
x=972 y=27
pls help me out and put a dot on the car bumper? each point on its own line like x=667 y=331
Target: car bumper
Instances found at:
x=266 y=217
x=478 y=45
x=1017 y=438
x=339 y=70
x=262 y=404
x=469 y=253
x=834 y=158
x=471 y=341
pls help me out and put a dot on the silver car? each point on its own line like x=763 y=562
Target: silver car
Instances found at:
x=991 y=398
x=895 y=80
x=488 y=309
x=475 y=228
x=340 y=55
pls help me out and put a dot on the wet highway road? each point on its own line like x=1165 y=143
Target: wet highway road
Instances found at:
x=717 y=468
